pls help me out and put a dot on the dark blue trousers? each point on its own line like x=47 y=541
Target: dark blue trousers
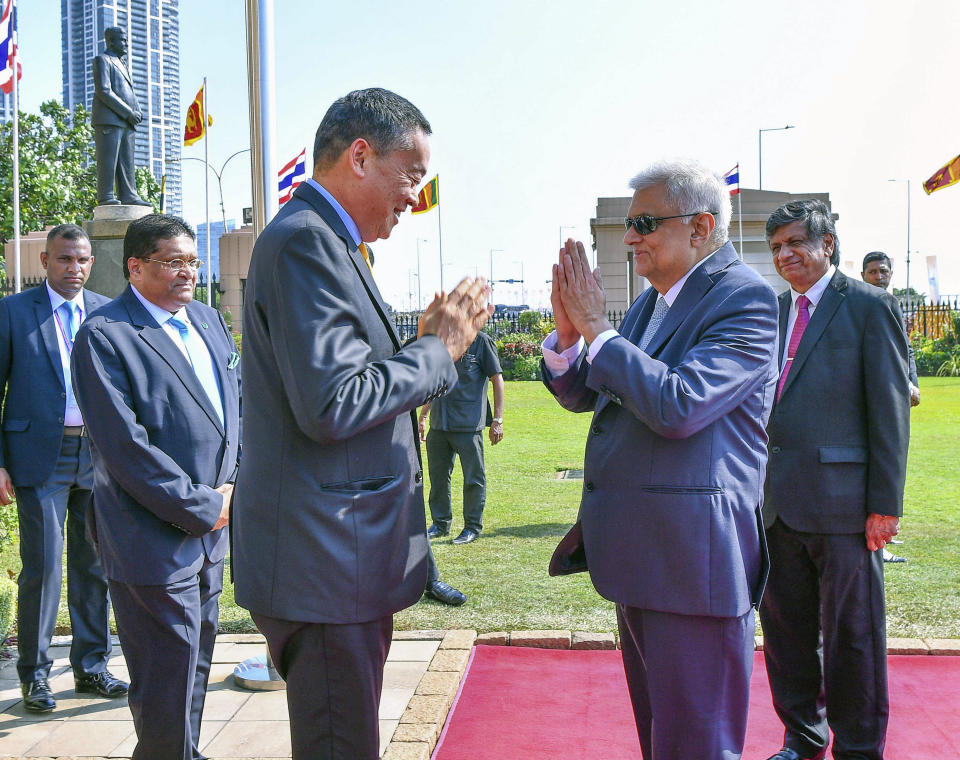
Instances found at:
x=63 y=501
x=689 y=681
x=167 y=634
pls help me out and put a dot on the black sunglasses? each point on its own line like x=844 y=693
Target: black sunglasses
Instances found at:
x=645 y=224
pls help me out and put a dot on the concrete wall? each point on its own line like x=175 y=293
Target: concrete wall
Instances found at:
x=236 y=247
x=615 y=259
x=31 y=246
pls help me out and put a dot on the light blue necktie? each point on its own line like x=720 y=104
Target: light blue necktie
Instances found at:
x=70 y=320
x=660 y=310
x=202 y=363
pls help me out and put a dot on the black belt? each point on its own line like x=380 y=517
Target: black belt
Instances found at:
x=76 y=431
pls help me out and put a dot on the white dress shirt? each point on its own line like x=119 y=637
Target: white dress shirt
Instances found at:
x=71 y=413
x=813 y=294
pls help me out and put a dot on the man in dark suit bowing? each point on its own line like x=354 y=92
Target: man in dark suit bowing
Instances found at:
x=669 y=523
x=839 y=432
x=157 y=379
x=45 y=465
x=329 y=537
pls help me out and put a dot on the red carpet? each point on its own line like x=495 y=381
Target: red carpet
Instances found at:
x=518 y=703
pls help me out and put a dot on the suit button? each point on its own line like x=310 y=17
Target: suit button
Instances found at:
x=418 y=477
x=776 y=449
x=589 y=486
x=63 y=395
x=60 y=420
x=596 y=430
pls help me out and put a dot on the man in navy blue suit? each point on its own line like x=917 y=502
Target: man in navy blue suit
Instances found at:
x=669 y=523
x=45 y=464
x=157 y=377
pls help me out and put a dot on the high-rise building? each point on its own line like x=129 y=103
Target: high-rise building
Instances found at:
x=6 y=107
x=217 y=229
x=153 y=35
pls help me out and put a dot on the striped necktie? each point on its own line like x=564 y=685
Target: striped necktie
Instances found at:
x=803 y=319
x=660 y=310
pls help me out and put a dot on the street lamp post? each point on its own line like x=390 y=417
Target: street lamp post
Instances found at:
x=493 y=251
x=760 y=146
x=908 y=238
x=419 y=288
x=219 y=176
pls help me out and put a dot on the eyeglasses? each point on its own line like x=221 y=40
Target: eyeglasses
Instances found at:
x=177 y=264
x=645 y=224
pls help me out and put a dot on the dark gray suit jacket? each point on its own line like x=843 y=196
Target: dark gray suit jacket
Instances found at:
x=31 y=382
x=839 y=434
x=674 y=464
x=328 y=519
x=158 y=447
x=114 y=99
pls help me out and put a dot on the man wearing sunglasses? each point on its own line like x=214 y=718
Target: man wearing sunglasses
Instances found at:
x=158 y=382
x=674 y=464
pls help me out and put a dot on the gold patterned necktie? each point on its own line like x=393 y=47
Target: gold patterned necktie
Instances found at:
x=366 y=256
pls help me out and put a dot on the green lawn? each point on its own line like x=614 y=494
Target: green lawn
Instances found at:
x=504 y=573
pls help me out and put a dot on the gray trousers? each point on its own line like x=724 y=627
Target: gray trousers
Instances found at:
x=43 y=511
x=442 y=449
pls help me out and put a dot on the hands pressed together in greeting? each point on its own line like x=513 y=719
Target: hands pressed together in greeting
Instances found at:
x=579 y=303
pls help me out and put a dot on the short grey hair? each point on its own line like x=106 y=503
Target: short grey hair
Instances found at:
x=690 y=189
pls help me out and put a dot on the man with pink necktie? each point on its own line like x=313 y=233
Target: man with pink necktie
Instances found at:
x=833 y=495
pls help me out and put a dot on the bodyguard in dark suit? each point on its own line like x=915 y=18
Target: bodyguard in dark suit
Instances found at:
x=157 y=378
x=834 y=492
x=329 y=538
x=669 y=523
x=45 y=464
x=114 y=116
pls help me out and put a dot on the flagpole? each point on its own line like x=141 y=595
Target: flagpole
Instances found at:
x=740 y=210
x=206 y=189
x=439 y=235
x=16 y=161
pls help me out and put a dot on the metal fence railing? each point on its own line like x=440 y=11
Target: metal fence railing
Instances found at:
x=931 y=320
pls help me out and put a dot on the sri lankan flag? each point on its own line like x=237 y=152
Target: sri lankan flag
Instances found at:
x=945 y=176
x=429 y=196
x=194 y=129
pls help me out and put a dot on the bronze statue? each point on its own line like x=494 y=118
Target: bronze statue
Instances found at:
x=115 y=116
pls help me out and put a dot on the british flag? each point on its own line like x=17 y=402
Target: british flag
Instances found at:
x=292 y=175
x=8 y=46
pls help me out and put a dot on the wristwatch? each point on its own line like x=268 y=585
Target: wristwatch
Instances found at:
x=498 y=420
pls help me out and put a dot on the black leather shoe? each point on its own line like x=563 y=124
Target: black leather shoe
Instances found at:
x=791 y=754
x=891 y=557
x=435 y=531
x=445 y=593
x=104 y=684
x=37 y=696
x=466 y=536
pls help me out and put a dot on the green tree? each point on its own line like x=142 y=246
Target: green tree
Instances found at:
x=58 y=180
x=148 y=188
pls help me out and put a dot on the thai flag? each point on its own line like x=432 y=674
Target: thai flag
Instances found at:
x=292 y=175
x=8 y=46
x=732 y=178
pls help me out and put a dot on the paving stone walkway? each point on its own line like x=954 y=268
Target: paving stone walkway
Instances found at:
x=236 y=723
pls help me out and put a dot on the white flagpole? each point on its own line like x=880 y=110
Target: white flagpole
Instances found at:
x=206 y=190
x=17 y=285
x=740 y=209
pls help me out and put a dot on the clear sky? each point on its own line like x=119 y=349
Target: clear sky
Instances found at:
x=539 y=108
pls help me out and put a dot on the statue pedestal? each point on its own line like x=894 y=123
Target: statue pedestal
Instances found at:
x=106 y=231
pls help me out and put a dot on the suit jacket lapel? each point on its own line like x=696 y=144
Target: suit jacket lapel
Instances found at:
x=698 y=283
x=320 y=204
x=123 y=69
x=829 y=303
x=156 y=337
x=227 y=390
x=786 y=303
x=48 y=329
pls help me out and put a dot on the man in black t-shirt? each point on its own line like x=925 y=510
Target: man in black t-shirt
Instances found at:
x=456 y=426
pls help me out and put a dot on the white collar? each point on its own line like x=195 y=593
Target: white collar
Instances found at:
x=56 y=299
x=159 y=314
x=671 y=295
x=815 y=292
